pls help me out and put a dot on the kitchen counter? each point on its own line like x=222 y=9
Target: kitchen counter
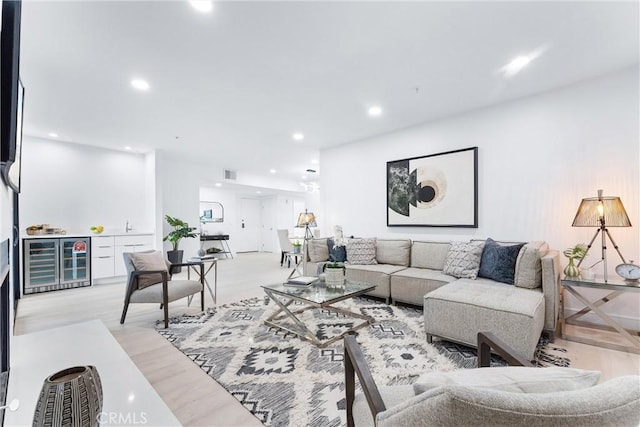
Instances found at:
x=72 y=235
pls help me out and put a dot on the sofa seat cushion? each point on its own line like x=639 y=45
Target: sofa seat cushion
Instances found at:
x=391 y=396
x=378 y=268
x=411 y=284
x=176 y=289
x=461 y=309
x=426 y=273
x=377 y=274
x=488 y=293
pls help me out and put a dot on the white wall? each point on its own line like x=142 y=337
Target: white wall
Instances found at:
x=538 y=157
x=75 y=186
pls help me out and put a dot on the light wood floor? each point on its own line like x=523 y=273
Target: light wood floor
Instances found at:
x=192 y=395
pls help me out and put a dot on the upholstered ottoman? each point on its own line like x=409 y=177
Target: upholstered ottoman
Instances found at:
x=459 y=310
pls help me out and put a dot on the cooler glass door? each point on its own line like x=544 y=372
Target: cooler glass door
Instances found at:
x=41 y=264
x=74 y=260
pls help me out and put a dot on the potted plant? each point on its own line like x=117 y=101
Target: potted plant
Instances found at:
x=296 y=246
x=334 y=274
x=180 y=231
x=577 y=252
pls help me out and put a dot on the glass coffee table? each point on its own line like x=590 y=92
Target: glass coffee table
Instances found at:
x=313 y=296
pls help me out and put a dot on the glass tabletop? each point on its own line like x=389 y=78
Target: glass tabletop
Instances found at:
x=613 y=283
x=318 y=292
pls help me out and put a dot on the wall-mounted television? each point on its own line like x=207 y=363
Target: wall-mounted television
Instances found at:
x=11 y=95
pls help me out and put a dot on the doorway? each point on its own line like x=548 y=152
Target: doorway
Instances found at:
x=250 y=226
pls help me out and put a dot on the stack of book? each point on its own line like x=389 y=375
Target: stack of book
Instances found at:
x=301 y=281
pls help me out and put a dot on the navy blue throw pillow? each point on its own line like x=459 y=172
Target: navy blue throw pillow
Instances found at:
x=337 y=254
x=498 y=262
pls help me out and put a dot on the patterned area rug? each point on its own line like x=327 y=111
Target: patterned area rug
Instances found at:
x=262 y=367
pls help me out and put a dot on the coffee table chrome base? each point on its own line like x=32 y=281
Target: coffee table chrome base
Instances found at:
x=301 y=329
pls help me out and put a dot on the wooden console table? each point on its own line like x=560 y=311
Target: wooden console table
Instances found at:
x=616 y=288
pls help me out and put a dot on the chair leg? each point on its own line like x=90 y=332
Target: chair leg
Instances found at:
x=202 y=300
x=124 y=312
x=281 y=258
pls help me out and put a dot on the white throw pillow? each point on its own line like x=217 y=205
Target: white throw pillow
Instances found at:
x=149 y=261
x=463 y=259
x=514 y=379
x=361 y=251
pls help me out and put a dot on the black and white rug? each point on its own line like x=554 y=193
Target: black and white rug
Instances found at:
x=284 y=380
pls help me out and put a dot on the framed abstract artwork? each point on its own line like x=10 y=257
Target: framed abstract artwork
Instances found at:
x=437 y=190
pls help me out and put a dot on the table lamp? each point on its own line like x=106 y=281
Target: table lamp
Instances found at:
x=601 y=212
x=306 y=220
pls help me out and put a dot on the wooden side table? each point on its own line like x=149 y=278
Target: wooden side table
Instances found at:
x=574 y=286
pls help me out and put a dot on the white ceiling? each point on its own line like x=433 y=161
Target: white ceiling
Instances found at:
x=231 y=87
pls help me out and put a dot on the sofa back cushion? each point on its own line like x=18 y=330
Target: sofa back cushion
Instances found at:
x=528 y=265
x=318 y=250
x=429 y=254
x=395 y=252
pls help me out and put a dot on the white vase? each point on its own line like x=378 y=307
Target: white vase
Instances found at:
x=334 y=277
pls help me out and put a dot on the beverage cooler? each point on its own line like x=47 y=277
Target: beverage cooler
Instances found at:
x=52 y=264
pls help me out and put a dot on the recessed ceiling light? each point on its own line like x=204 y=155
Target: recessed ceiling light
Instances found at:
x=375 y=111
x=272 y=171
x=127 y=148
x=514 y=67
x=53 y=134
x=304 y=176
x=140 y=84
x=258 y=192
x=218 y=184
x=314 y=161
x=298 y=136
x=202 y=5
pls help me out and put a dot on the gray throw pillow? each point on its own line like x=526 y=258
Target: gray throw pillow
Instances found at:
x=463 y=259
x=149 y=261
x=318 y=251
x=361 y=251
x=498 y=261
x=514 y=379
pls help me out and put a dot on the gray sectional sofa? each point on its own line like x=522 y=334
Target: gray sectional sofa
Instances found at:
x=458 y=308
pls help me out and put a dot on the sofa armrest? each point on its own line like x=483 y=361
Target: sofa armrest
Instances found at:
x=551 y=289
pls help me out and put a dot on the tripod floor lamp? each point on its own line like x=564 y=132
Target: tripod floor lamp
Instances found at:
x=306 y=220
x=602 y=212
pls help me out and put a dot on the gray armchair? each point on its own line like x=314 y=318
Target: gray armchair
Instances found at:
x=512 y=396
x=151 y=282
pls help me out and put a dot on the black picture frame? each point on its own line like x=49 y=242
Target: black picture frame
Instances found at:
x=436 y=190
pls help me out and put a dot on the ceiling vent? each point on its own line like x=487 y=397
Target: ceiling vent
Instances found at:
x=230 y=175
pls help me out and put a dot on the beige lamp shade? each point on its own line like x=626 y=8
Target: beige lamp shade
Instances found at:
x=598 y=211
x=306 y=219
